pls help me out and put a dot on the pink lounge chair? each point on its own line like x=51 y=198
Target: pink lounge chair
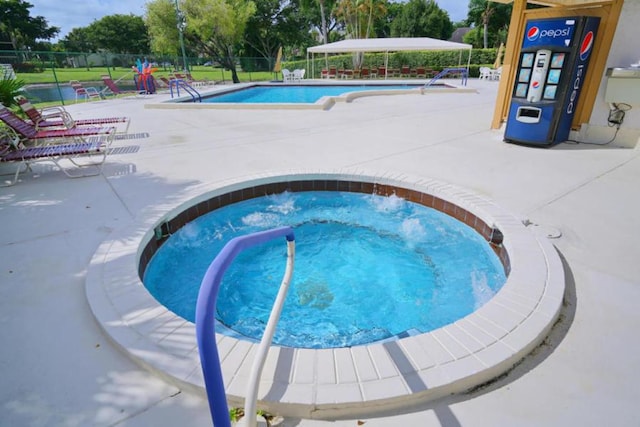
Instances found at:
x=30 y=135
x=84 y=92
x=86 y=156
x=112 y=87
x=57 y=117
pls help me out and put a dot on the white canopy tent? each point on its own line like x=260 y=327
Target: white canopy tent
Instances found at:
x=387 y=45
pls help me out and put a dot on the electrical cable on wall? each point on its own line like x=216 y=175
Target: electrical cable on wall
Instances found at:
x=615 y=119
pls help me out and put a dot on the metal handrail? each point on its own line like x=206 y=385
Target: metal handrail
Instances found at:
x=205 y=323
x=179 y=83
x=463 y=71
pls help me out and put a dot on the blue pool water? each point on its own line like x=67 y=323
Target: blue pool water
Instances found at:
x=294 y=94
x=367 y=268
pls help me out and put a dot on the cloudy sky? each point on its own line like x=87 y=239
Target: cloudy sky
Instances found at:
x=70 y=14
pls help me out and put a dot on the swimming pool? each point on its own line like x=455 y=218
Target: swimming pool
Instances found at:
x=297 y=94
x=362 y=259
x=240 y=96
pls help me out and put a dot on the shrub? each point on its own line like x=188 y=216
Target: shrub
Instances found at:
x=9 y=89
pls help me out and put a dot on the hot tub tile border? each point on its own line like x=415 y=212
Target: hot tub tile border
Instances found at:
x=451 y=372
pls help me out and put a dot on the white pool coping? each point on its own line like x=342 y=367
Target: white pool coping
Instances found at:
x=324 y=103
x=327 y=383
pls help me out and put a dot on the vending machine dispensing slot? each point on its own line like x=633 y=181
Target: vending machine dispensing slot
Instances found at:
x=528 y=114
x=551 y=71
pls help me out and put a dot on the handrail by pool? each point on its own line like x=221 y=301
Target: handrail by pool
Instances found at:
x=205 y=323
x=179 y=83
x=463 y=71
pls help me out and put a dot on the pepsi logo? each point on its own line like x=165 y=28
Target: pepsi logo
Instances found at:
x=533 y=33
x=586 y=45
x=535 y=85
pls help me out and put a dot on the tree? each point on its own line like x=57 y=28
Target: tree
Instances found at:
x=78 y=40
x=119 y=34
x=383 y=26
x=276 y=23
x=320 y=13
x=359 y=16
x=217 y=27
x=160 y=18
x=20 y=30
x=422 y=18
x=493 y=18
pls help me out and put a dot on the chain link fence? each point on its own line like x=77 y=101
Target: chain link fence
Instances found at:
x=46 y=75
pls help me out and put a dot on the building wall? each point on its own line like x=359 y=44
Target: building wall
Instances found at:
x=625 y=50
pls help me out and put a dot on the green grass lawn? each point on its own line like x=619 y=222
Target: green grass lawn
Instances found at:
x=64 y=75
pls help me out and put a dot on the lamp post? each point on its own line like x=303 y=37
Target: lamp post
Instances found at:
x=182 y=25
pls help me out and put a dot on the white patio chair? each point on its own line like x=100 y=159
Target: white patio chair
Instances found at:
x=298 y=75
x=485 y=73
x=495 y=74
x=287 y=76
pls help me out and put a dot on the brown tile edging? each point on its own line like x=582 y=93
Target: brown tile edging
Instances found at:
x=492 y=235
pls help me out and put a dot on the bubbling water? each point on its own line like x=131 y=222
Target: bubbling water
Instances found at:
x=361 y=260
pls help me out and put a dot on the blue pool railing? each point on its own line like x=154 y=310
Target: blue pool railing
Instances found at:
x=464 y=72
x=205 y=323
x=179 y=83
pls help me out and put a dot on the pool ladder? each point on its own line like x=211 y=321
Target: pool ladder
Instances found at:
x=179 y=83
x=458 y=70
x=205 y=325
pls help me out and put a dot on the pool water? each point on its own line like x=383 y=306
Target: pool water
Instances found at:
x=294 y=94
x=49 y=93
x=367 y=268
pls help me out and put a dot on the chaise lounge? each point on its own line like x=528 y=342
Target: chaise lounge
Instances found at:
x=30 y=135
x=58 y=117
x=85 y=156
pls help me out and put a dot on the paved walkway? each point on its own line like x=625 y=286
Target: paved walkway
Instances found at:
x=59 y=369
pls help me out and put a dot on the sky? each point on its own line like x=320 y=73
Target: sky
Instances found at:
x=70 y=14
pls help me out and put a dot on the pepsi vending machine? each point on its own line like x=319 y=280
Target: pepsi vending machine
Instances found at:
x=553 y=64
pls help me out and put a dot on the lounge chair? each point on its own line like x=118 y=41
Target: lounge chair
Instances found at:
x=190 y=80
x=84 y=92
x=382 y=72
x=86 y=156
x=364 y=73
x=30 y=135
x=405 y=71
x=58 y=117
x=421 y=72
x=111 y=88
x=165 y=81
x=333 y=73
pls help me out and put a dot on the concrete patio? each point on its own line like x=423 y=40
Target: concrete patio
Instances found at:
x=60 y=369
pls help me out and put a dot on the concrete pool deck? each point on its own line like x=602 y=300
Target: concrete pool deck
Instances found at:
x=59 y=368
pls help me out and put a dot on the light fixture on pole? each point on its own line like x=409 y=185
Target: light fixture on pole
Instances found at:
x=182 y=25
